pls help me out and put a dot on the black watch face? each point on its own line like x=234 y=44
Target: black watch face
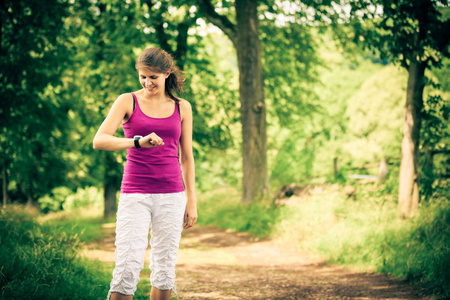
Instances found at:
x=136 y=141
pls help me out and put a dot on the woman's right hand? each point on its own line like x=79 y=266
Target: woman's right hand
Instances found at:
x=151 y=140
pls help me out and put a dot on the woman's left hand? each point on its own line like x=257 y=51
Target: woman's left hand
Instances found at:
x=190 y=214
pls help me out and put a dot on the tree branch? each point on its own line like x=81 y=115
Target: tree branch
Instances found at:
x=207 y=9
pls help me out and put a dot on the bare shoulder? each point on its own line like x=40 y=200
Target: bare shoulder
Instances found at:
x=123 y=106
x=185 y=105
x=124 y=99
x=185 y=110
x=125 y=103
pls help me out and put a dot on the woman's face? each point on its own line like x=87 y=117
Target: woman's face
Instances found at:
x=152 y=82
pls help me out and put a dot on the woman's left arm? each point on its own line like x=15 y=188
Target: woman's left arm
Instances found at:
x=187 y=164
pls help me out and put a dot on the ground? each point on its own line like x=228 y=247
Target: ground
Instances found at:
x=218 y=264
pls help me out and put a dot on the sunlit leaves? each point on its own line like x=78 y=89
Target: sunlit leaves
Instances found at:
x=33 y=59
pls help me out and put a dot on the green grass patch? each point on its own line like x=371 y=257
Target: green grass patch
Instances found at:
x=362 y=232
x=84 y=223
x=223 y=209
x=365 y=233
x=37 y=263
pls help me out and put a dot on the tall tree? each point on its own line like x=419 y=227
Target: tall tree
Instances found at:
x=430 y=37
x=245 y=37
x=104 y=69
x=413 y=34
x=420 y=41
x=33 y=118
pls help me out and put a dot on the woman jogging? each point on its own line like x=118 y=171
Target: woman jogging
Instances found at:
x=157 y=190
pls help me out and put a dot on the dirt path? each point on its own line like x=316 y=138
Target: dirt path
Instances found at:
x=217 y=264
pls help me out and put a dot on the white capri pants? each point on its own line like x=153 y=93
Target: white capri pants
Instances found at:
x=165 y=213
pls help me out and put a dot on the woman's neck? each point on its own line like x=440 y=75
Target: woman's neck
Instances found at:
x=158 y=98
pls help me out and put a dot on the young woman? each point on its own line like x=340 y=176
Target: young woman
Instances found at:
x=155 y=184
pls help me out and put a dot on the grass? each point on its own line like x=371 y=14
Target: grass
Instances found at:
x=362 y=232
x=37 y=264
x=223 y=209
x=45 y=249
x=40 y=259
x=84 y=223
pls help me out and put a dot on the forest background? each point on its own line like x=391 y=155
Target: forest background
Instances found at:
x=334 y=111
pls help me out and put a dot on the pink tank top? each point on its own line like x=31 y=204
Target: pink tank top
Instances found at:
x=153 y=170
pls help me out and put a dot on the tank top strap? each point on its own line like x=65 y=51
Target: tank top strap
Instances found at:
x=135 y=102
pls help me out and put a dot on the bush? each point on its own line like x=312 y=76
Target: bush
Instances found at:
x=223 y=208
x=89 y=196
x=55 y=200
x=421 y=252
x=364 y=232
x=63 y=198
x=41 y=265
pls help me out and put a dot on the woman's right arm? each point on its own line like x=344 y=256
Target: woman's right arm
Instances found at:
x=104 y=138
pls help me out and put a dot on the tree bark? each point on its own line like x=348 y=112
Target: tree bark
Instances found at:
x=110 y=186
x=409 y=167
x=109 y=194
x=4 y=187
x=255 y=183
x=335 y=167
x=408 y=199
x=182 y=44
x=245 y=38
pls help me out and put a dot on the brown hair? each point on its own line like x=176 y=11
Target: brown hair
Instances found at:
x=160 y=61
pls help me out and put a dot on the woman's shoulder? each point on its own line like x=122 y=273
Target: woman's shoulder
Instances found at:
x=184 y=104
x=124 y=99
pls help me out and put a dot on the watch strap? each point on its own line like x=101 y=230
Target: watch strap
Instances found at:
x=136 y=141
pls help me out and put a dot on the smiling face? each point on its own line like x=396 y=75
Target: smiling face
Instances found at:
x=152 y=82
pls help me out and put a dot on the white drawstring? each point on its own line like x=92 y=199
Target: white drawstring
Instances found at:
x=109 y=295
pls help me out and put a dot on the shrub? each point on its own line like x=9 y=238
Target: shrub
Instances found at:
x=40 y=265
x=89 y=196
x=223 y=208
x=55 y=200
x=63 y=198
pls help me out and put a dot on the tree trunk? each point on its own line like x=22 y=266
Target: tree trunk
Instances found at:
x=4 y=187
x=182 y=44
x=409 y=167
x=245 y=38
x=255 y=183
x=110 y=185
x=109 y=194
x=335 y=167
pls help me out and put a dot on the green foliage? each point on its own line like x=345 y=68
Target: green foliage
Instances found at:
x=104 y=36
x=218 y=168
x=435 y=135
x=375 y=114
x=294 y=157
x=87 y=197
x=37 y=264
x=290 y=64
x=364 y=232
x=404 y=31
x=33 y=122
x=420 y=251
x=64 y=198
x=83 y=223
x=212 y=93
x=54 y=201
x=359 y=122
x=223 y=208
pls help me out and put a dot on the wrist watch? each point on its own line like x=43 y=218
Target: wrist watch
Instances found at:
x=136 y=141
